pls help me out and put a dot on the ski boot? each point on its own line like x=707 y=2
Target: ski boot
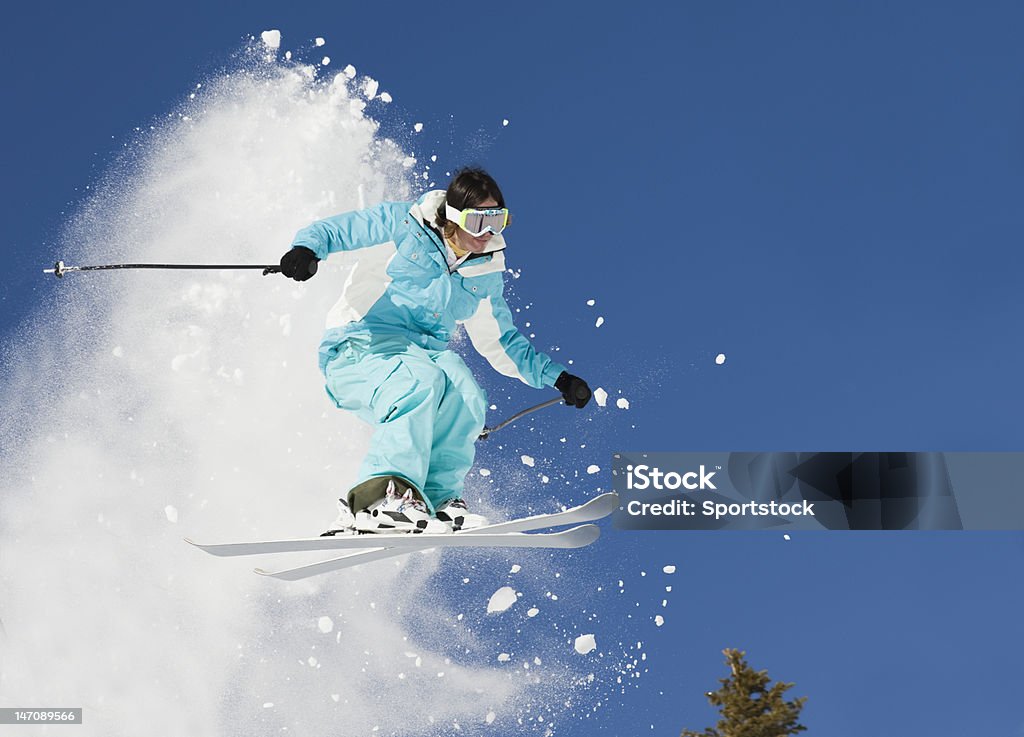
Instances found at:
x=456 y=514
x=400 y=510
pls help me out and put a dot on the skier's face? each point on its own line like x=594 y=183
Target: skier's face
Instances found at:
x=475 y=244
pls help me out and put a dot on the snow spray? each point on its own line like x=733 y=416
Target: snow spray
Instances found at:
x=143 y=408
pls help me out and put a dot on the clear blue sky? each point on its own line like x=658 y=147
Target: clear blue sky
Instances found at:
x=829 y=193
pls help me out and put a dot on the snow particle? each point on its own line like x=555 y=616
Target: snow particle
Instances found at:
x=501 y=600
x=659 y=620
x=349 y=71
x=720 y=359
x=326 y=624
x=533 y=612
x=485 y=472
x=418 y=127
x=600 y=396
x=593 y=469
x=325 y=61
x=319 y=41
x=172 y=513
x=504 y=657
x=370 y=88
x=527 y=460
x=622 y=403
x=516 y=568
x=585 y=644
x=669 y=569
x=385 y=97
x=271 y=39
x=504 y=122
x=786 y=537
x=490 y=717
x=599 y=323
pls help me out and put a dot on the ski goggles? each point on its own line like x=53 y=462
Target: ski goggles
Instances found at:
x=477 y=222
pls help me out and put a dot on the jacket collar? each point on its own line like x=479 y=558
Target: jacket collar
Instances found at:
x=425 y=212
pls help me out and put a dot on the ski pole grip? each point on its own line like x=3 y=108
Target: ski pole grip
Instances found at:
x=277 y=269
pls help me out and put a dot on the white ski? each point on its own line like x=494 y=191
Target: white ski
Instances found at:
x=574 y=537
x=594 y=509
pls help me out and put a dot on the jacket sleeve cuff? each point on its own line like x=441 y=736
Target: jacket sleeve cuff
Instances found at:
x=309 y=238
x=552 y=372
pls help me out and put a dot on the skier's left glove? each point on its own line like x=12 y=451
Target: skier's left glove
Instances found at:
x=574 y=390
x=299 y=263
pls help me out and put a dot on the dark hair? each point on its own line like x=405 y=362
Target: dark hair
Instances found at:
x=469 y=187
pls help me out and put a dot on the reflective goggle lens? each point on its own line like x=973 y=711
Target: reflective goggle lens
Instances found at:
x=477 y=222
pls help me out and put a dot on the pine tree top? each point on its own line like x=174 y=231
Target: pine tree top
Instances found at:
x=750 y=705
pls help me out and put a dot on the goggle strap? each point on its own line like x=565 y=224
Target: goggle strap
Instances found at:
x=453 y=215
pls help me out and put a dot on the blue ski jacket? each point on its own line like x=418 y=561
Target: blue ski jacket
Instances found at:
x=403 y=285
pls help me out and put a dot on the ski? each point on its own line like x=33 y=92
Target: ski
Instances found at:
x=340 y=563
x=574 y=537
x=594 y=509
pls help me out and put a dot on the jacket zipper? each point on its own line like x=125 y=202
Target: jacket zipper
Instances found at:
x=432 y=234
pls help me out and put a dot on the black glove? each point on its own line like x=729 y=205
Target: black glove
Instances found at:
x=299 y=263
x=574 y=390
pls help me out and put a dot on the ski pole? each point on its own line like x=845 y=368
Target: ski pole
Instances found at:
x=488 y=430
x=60 y=269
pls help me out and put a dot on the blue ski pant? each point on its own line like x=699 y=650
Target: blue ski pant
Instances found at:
x=425 y=406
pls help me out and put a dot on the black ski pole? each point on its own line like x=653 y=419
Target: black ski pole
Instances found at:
x=60 y=269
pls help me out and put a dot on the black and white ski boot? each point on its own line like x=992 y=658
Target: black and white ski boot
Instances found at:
x=399 y=512
x=456 y=514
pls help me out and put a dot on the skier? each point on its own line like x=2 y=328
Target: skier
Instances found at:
x=425 y=267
